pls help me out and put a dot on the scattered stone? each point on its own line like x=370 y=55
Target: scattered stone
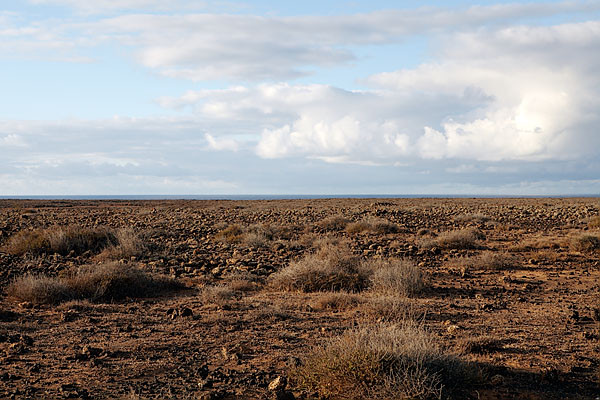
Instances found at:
x=278 y=384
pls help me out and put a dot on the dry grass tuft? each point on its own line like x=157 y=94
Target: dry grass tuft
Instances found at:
x=399 y=361
x=128 y=244
x=461 y=239
x=219 y=295
x=376 y=225
x=331 y=268
x=585 y=243
x=395 y=277
x=231 y=234
x=102 y=282
x=257 y=235
x=61 y=240
x=337 y=301
x=489 y=260
x=333 y=223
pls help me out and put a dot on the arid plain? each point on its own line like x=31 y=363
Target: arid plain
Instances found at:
x=283 y=299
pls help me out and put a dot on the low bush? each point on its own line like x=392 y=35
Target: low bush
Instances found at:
x=594 y=222
x=333 y=223
x=460 y=239
x=585 y=243
x=489 y=260
x=61 y=240
x=102 y=282
x=331 y=268
x=395 y=277
x=397 y=361
x=336 y=301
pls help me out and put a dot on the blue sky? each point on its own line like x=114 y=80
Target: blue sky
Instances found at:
x=317 y=97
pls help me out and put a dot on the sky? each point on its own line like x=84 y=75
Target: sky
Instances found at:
x=147 y=97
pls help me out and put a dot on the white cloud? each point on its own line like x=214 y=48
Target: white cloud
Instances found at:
x=200 y=47
x=221 y=144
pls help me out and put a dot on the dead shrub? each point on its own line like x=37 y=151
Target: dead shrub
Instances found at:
x=395 y=277
x=61 y=240
x=333 y=223
x=128 y=244
x=102 y=282
x=397 y=361
x=376 y=225
x=337 y=301
x=357 y=227
x=489 y=260
x=331 y=268
x=461 y=239
x=38 y=289
x=231 y=234
x=219 y=295
x=585 y=243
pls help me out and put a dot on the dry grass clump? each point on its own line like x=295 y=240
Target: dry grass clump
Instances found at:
x=461 y=239
x=594 y=222
x=489 y=260
x=128 y=244
x=219 y=295
x=396 y=277
x=397 y=361
x=376 y=225
x=102 y=282
x=231 y=234
x=257 y=235
x=585 y=243
x=61 y=240
x=331 y=268
x=336 y=301
x=333 y=223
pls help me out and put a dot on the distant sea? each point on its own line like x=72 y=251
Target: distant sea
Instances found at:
x=284 y=196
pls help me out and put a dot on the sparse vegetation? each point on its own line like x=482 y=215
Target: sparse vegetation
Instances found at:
x=585 y=243
x=398 y=361
x=336 y=301
x=395 y=277
x=376 y=225
x=489 y=260
x=461 y=239
x=102 y=282
x=61 y=240
x=333 y=223
x=594 y=222
x=331 y=268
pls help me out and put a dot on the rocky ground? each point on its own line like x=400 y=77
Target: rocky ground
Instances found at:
x=536 y=323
